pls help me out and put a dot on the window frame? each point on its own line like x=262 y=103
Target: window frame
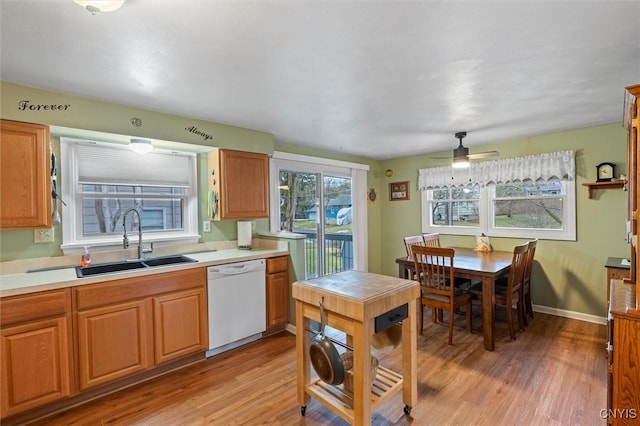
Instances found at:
x=486 y=212
x=73 y=240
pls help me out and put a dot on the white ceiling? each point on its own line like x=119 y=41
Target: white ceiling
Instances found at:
x=378 y=79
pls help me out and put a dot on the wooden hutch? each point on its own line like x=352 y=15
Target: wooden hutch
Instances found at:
x=623 y=391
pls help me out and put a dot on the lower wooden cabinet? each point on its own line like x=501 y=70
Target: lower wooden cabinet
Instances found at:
x=178 y=324
x=277 y=282
x=114 y=342
x=35 y=350
x=131 y=325
x=623 y=392
x=625 y=397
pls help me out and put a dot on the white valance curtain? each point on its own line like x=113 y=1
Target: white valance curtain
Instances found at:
x=532 y=168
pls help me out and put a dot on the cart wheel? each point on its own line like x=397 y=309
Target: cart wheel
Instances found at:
x=303 y=410
x=407 y=410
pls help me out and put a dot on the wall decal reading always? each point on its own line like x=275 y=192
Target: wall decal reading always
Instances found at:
x=196 y=131
x=28 y=106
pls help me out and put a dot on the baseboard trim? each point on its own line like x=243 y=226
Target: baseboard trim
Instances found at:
x=570 y=314
x=536 y=308
x=290 y=328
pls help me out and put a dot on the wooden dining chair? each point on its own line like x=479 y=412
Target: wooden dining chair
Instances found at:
x=431 y=240
x=526 y=280
x=511 y=293
x=412 y=240
x=435 y=272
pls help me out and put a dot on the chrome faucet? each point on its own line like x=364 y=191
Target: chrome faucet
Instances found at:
x=125 y=239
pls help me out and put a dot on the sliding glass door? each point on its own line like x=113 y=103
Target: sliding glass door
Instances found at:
x=319 y=206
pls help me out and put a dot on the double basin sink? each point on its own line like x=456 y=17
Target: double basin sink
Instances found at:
x=127 y=265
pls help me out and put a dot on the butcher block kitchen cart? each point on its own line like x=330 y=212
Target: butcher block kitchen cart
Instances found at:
x=354 y=301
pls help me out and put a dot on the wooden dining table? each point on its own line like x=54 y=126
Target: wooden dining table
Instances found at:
x=476 y=266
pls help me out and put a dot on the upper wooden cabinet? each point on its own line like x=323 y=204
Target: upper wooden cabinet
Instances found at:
x=25 y=175
x=238 y=185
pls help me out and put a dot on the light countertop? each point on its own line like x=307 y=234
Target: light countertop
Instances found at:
x=65 y=276
x=617 y=262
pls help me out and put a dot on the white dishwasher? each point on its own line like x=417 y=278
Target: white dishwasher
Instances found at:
x=237 y=304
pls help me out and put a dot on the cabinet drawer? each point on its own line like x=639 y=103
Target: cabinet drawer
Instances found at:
x=617 y=273
x=34 y=306
x=277 y=264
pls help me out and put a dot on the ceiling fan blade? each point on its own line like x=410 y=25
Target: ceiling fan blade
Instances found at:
x=441 y=158
x=483 y=155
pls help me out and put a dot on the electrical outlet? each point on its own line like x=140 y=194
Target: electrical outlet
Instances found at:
x=206 y=226
x=43 y=235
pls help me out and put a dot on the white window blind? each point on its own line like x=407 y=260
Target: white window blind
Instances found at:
x=120 y=166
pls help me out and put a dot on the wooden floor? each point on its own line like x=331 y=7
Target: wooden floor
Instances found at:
x=553 y=374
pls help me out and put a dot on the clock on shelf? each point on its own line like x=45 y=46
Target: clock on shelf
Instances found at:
x=605 y=172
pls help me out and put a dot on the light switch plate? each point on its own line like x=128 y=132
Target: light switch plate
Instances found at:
x=206 y=226
x=43 y=235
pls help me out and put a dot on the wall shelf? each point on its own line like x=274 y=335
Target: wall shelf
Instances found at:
x=605 y=185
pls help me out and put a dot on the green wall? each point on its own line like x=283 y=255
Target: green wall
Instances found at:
x=568 y=275
x=117 y=119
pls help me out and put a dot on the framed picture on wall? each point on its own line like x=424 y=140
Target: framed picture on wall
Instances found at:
x=399 y=191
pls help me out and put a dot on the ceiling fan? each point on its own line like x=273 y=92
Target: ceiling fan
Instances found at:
x=461 y=154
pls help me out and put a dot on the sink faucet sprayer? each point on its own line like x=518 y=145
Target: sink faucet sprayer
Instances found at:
x=125 y=239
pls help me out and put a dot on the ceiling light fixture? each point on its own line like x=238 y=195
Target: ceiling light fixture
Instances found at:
x=97 y=6
x=460 y=154
x=141 y=146
x=460 y=162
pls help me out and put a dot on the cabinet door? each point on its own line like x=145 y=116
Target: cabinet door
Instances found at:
x=180 y=324
x=277 y=299
x=25 y=176
x=114 y=342
x=626 y=372
x=35 y=365
x=242 y=180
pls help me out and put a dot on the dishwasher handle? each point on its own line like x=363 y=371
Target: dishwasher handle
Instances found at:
x=236 y=269
x=233 y=270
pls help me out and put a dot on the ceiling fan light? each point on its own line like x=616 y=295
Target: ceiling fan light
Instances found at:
x=97 y=6
x=141 y=146
x=460 y=163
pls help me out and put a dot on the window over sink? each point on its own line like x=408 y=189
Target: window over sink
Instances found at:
x=101 y=181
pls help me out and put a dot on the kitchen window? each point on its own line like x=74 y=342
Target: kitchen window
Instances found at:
x=101 y=181
x=524 y=197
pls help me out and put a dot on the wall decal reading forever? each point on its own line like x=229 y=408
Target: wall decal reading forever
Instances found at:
x=27 y=106
x=136 y=122
x=195 y=131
